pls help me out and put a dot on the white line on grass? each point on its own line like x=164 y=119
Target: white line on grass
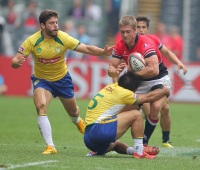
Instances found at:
x=30 y=164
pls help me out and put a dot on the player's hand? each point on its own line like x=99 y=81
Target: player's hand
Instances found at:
x=21 y=60
x=120 y=68
x=108 y=50
x=182 y=66
x=167 y=90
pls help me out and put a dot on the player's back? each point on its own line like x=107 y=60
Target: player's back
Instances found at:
x=108 y=102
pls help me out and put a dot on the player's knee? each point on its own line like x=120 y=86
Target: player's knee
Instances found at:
x=74 y=112
x=41 y=108
x=165 y=108
x=156 y=107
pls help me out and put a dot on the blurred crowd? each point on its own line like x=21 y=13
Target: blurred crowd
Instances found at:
x=88 y=22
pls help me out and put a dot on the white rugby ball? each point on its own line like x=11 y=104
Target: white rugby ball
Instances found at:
x=136 y=61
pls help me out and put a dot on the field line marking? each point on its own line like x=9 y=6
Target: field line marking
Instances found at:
x=31 y=164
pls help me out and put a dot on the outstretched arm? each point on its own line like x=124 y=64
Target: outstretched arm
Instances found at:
x=173 y=59
x=93 y=50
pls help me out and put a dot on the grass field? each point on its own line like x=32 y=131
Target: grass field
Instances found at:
x=21 y=143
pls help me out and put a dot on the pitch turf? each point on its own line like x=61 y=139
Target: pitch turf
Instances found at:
x=21 y=143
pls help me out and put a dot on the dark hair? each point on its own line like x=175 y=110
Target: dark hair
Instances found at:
x=143 y=18
x=130 y=81
x=46 y=14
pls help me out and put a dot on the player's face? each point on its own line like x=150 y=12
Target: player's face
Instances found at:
x=128 y=34
x=51 y=27
x=142 y=27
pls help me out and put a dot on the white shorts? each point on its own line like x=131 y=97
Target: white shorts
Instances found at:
x=147 y=85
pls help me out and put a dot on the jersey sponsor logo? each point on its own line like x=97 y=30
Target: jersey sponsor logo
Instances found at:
x=114 y=52
x=21 y=49
x=39 y=50
x=58 y=49
x=46 y=61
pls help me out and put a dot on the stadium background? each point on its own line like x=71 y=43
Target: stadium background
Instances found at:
x=89 y=73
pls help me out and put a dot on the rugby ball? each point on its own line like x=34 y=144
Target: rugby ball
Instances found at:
x=136 y=61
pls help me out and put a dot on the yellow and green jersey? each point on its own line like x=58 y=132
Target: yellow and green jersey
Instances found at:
x=108 y=102
x=49 y=54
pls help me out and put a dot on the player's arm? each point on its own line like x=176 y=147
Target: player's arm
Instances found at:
x=151 y=69
x=173 y=59
x=93 y=50
x=115 y=68
x=153 y=95
x=18 y=60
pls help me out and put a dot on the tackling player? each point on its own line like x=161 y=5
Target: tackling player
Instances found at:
x=106 y=121
x=165 y=121
x=51 y=77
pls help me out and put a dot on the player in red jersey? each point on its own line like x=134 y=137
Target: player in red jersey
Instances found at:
x=155 y=73
x=165 y=121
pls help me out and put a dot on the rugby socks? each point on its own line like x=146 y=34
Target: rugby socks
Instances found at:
x=138 y=145
x=45 y=129
x=130 y=150
x=165 y=136
x=149 y=128
x=75 y=119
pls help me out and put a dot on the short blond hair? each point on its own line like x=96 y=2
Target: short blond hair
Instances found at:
x=128 y=20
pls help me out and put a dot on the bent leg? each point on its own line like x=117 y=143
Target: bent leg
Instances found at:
x=73 y=111
x=153 y=118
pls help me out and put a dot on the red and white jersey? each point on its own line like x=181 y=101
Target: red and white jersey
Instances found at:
x=144 y=46
x=156 y=41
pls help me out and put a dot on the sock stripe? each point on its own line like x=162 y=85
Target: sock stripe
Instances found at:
x=152 y=122
x=42 y=115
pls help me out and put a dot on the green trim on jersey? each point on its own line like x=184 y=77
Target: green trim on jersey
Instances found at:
x=39 y=40
x=135 y=101
x=58 y=40
x=77 y=45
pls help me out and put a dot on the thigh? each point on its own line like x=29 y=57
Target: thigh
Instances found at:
x=42 y=98
x=125 y=120
x=69 y=104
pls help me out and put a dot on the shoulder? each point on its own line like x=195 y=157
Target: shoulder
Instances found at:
x=35 y=37
x=120 y=45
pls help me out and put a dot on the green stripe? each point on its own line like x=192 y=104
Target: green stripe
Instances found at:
x=77 y=45
x=135 y=101
x=39 y=40
x=58 y=40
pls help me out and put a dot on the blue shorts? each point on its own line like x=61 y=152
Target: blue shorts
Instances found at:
x=98 y=136
x=62 y=88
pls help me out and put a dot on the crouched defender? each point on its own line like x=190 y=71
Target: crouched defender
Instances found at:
x=105 y=121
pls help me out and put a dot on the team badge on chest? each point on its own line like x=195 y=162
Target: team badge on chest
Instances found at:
x=58 y=49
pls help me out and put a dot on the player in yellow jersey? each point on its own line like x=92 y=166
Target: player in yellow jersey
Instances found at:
x=51 y=76
x=106 y=121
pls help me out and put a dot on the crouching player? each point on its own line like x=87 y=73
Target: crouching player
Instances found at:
x=106 y=121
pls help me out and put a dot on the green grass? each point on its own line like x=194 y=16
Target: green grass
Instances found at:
x=21 y=143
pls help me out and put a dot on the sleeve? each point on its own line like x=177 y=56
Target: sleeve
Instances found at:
x=72 y=43
x=26 y=47
x=127 y=97
x=158 y=43
x=148 y=48
x=116 y=52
